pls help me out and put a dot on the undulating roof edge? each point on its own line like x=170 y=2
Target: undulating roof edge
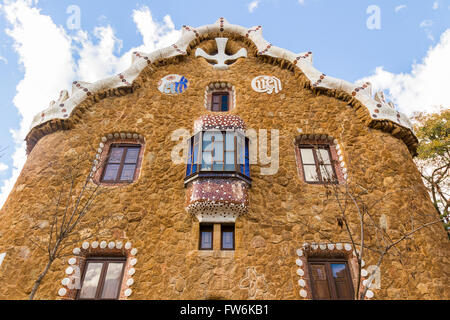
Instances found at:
x=382 y=113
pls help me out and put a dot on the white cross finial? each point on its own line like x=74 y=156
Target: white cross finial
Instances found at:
x=221 y=57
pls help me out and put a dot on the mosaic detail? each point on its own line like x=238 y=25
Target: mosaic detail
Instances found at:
x=217 y=200
x=321 y=78
x=329 y=249
x=219 y=122
x=252 y=30
x=72 y=282
x=190 y=29
x=173 y=84
x=142 y=56
x=363 y=87
x=266 y=84
x=305 y=56
x=221 y=57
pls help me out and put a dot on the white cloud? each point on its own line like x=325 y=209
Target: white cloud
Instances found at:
x=253 y=5
x=425 y=88
x=301 y=1
x=435 y=5
x=3 y=167
x=426 y=25
x=4 y=60
x=46 y=54
x=398 y=8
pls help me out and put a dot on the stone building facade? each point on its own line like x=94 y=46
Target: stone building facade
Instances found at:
x=207 y=156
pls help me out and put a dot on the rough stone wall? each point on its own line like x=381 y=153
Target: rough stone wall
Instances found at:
x=151 y=211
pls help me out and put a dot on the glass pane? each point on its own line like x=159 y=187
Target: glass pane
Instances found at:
x=241 y=149
x=225 y=102
x=307 y=156
x=111 y=172
x=247 y=157
x=128 y=172
x=227 y=240
x=323 y=156
x=338 y=270
x=112 y=280
x=116 y=155
x=229 y=141
x=207 y=138
x=91 y=278
x=310 y=173
x=195 y=158
x=327 y=173
x=343 y=289
x=132 y=155
x=218 y=151
x=206 y=242
x=229 y=160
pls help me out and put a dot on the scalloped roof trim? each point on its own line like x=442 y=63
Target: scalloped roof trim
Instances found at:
x=377 y=106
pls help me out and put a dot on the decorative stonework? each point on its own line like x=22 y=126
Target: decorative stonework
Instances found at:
x=98 y=249
x=267 y=84
x=329 y=250
x=221 y=57
x=173 y=84
x=103 y=150
x=253 y=282
x=220 y=86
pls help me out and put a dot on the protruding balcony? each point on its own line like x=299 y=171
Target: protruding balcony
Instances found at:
x=218 y=169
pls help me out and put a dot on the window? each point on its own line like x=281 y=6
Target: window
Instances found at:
x=220 y=101
x=330 y=279
x=206 y=237
x=102 y=279
x=316 y=163
x=122 y=163
x=216 y=153
x=227 y=237
x=220 y=97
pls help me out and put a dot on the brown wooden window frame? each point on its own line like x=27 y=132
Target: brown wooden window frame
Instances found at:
x=122 y=163
x=330 y=279
x=317 y=163
x=210 y=228
x=221 y=94
x=227 y=228
x=101 y=281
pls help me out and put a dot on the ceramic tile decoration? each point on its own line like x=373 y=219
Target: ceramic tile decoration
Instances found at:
x=267 y=84
x=173 y=84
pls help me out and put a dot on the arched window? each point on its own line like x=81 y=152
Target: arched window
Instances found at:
x=218 y=153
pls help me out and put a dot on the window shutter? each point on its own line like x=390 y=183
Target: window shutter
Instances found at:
x=319 y=282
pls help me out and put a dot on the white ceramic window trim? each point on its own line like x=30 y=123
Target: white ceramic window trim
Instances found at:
x=99 y=248
x=346 y=249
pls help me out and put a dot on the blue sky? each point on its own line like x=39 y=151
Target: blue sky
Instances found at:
x=407 y=55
